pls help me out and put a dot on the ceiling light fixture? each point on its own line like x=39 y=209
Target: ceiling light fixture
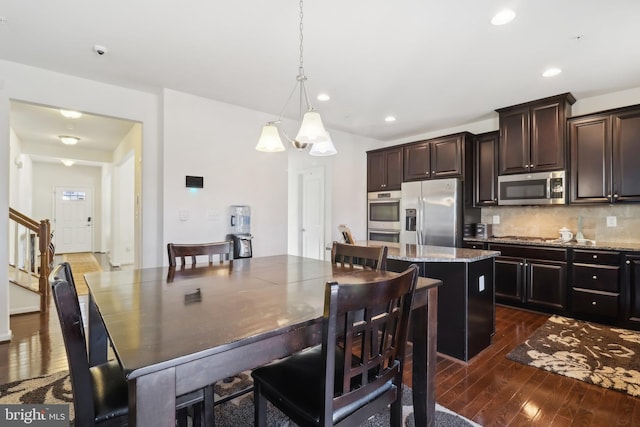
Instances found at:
x=323 y=97
x=67 y=162
x=550 y=72
x=311 y=130
x=69 y=140
x=503 y=17
x=70 y=114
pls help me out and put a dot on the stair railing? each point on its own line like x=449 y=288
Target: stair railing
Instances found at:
x=26 y=232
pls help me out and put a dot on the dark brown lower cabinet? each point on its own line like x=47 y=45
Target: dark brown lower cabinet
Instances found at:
x=632 y=275
x=596 y=285
x=531 y=277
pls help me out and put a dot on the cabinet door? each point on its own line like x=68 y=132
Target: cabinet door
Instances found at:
x=417 y=161
x=446 y=157
x=393 y=169
x=626 y=156
x=547 y=283
x=547 y=137
x=590 y=140
x=376 y=171
x=514 y=140
x=486 y=170
x=632 y=273
x=508 y=279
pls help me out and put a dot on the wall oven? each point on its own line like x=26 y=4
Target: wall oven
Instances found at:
x=383 y=216
x=539 y=188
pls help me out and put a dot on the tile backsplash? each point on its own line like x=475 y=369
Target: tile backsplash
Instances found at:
x=545 y=221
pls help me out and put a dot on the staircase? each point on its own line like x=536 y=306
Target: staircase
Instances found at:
x=30 y=261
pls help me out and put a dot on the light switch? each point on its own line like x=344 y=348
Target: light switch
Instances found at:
x=496 y=219
x=612 y=221
x=184 y=214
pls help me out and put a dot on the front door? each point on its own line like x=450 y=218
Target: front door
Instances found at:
x=73 y=221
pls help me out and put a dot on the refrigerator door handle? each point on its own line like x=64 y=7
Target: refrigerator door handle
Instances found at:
x=419 y=222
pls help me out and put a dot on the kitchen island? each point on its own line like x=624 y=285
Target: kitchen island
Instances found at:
x=466 y=299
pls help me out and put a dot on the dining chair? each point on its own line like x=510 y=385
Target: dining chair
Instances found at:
x=373 y=257
x=100 y=392
x=223 y=249
x=344 y=381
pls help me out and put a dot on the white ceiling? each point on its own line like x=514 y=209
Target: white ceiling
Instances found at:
x=432 y=64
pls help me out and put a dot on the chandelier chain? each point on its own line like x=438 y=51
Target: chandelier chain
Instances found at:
x=301 y=39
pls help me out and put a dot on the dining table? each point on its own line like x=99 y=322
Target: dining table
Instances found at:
x=175 y=331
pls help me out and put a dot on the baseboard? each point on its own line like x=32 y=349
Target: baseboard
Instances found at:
x=24 y=310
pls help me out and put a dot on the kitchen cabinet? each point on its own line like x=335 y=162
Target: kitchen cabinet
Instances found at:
x=444 y=157
x=605 y=157
x=533 y=135
x=596 y=284
x=531 y=277
x=486 y=169
x=384 y=169
x=632 y=284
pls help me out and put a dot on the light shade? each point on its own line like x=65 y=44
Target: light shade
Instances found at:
x=70 y=114
x=312 y=130
x=503 y=17
x=324 y=148
x=69 y=140
x=270 y=141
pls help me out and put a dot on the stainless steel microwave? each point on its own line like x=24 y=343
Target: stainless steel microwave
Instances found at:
x=538 y=188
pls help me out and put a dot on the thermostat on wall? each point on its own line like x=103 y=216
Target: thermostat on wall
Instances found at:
x=195 y=182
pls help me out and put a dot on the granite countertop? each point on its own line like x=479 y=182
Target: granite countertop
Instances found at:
x=423 y=253
x=550 y=242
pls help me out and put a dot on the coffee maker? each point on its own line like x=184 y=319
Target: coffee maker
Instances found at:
x=240 y=231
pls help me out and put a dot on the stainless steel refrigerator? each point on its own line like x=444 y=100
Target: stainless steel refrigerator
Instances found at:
x=432 y=212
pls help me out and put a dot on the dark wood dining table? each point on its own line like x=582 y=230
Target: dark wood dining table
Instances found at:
x=176 y=331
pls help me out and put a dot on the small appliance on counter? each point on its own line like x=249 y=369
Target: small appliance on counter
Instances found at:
x=240 y=232
x=484 y=231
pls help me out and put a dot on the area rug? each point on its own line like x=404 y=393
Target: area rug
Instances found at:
x=602 y=355
x=82 y=263
x=56 y=388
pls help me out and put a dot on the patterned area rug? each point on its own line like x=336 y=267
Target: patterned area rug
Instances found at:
x=56 y=388
x=602 y=355
x=82 y=263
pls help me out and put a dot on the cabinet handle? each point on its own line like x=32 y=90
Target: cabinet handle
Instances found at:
x=593 y=303
x=433 y=171
x=595 y=277
x=595 y=257
x=628 y=262
x=615 y=196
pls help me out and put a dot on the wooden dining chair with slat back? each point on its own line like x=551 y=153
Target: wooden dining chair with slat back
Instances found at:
x=224 y=250
x=100 y=392
x=357 y=370
x=373 y=257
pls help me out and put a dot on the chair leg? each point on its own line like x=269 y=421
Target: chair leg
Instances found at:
x=181 y=417
x=208 y=407
x=260 y=407
x=395 y=411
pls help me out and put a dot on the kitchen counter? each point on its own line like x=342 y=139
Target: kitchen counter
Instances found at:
x=424 y=253
x=550 y=242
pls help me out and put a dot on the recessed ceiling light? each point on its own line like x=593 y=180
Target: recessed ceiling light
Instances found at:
x=389 y=119
x=323 y=97
x=67 y=162
x=550 y=72
x=503 y=17
x=69 y=140
x=70 y=114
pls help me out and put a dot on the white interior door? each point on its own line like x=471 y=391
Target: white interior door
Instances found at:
x=73 y=222
x=312 y=213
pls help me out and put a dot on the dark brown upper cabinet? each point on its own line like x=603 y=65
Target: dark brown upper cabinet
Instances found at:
x=486 y=169
x=384 y=169
x=605 y=156
x=533 y=135
x=442 y=157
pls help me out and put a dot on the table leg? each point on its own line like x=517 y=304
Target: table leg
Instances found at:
x=425 y=328
x=152 y=399
x=97 y=335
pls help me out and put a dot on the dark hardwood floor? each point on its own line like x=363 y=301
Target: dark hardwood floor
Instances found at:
x=491 y=390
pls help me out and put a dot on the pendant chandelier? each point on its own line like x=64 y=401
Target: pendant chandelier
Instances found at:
x=311 y=133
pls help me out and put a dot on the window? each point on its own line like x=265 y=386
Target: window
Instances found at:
x=74 y=195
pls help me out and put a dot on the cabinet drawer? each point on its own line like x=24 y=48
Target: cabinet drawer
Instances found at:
x=595 y=303
x=600 y=278
x=596 y=257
